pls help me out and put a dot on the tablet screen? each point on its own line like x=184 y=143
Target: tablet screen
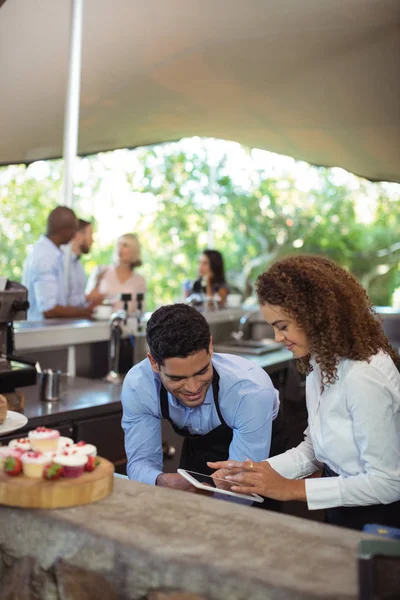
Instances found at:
x=207 y=479
x=220 y=486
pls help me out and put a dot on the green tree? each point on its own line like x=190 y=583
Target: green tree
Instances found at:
x=256 y=218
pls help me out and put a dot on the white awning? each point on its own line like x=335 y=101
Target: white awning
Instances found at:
x=316 y=80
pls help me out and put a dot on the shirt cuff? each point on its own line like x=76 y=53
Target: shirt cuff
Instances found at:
x=284 y=465
x=323 y=492
x=148 y=476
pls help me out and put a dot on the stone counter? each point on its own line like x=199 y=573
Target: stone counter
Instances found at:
x=144 y=538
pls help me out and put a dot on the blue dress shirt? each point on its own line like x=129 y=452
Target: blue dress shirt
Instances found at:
x=77 y=283
x=248 y=402
x=43 y=276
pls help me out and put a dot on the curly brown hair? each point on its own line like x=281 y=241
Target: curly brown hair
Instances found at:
x=330 y=306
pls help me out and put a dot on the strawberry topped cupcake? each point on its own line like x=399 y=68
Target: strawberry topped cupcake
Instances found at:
x=33 y=464
x=6 y=451
x=43 y=439
x=86 y=449
x=20 y=444
x=73 y=463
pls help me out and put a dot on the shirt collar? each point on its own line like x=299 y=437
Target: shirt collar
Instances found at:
x=50 y=243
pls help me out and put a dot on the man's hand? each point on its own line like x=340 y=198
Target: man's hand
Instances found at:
x=177 y=482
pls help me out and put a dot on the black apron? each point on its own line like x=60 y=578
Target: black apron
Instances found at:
x=197 y=450
x=355 y=517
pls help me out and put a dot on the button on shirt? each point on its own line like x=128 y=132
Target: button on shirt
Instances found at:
x=77 y=283
x=354 y=428
x=248 y=403
x=43 y=276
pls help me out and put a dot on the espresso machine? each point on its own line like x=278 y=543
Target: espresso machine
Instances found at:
x=14 y=371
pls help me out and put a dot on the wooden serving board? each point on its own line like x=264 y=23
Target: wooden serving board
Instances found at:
x=27 y=492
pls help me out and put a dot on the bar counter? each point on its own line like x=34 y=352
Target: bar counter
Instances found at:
x=144 y=538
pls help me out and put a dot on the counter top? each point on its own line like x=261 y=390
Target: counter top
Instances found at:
x=87 y=396
x=144 y=538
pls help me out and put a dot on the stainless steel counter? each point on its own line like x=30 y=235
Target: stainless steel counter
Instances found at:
x=79 y=396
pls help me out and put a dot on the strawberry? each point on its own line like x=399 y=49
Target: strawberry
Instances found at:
x=12 y=465
x=52 y=471
x=92 y=463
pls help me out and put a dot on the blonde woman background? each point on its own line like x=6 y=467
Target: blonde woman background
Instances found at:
x=120 y=277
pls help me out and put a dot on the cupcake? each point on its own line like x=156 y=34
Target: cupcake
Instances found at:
x=64 y=442
x=43 y=439
x=73 y=463
x=6 y=451
x=86 y=449
x=33 y=464
x=20 y=444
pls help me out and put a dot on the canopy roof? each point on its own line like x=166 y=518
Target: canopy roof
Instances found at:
x=319 y=81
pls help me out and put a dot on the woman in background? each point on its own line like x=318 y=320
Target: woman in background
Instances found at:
x=211 y=280
x=120 y=277
x=325 y=318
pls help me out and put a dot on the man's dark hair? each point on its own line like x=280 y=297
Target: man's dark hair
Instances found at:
x=82 y=224
x=177 y=330
x=60 y=218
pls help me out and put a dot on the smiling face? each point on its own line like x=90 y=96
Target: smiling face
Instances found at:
x=189 y=378
x=287 y=330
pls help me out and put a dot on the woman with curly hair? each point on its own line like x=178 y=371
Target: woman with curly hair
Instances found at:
x=323 y=315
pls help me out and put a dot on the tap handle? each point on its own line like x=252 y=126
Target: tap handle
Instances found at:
x=139 y=300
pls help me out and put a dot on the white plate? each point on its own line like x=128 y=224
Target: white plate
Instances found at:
x=13 y=421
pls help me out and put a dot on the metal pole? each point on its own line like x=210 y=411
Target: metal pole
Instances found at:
x=71 y=123
x=211 y=192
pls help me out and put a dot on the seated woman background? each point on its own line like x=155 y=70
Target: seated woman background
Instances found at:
x=120 y=277
x=323 y=315
x=211 y=280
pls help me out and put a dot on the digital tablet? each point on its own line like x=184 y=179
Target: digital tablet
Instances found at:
x=206 y=482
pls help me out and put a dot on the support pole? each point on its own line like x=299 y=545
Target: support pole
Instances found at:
x=71 y=122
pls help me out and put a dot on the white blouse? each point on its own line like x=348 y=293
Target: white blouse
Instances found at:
x=354 y=428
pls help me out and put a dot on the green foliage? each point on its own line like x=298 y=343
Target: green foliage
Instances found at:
x=255 y=219
x=24 y=205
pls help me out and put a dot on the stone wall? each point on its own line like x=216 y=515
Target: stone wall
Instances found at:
x=148 y=542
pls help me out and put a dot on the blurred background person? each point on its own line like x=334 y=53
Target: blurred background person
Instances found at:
x=81 y=244
x=211 y=280
x=43 y=270
x=120 y=277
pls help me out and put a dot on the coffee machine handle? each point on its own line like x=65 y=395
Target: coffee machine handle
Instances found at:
x=10 y=339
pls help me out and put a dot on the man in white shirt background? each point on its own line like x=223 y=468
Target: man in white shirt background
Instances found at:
x=43 y=273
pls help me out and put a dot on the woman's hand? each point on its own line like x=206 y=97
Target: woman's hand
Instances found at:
x=259 y=478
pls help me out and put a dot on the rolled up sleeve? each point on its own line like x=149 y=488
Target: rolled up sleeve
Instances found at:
x=143 y=445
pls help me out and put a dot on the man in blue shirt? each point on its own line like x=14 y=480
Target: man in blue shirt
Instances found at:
x=43 y=272
x=222 y=405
